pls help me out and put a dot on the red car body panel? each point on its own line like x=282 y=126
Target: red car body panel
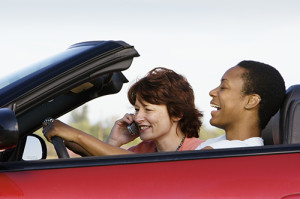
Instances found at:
x=262 y=176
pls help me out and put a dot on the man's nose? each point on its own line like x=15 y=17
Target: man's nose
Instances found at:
x=213 y=92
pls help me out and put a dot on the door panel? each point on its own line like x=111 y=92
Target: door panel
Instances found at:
x=264 y=176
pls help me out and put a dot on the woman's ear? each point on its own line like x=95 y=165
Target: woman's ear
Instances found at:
x=176 y=119
x=253 y=101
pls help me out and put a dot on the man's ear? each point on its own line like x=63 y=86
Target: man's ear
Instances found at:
x=253 y=101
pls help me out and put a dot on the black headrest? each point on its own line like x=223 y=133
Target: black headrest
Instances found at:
x=283 y=127
x=291 y=128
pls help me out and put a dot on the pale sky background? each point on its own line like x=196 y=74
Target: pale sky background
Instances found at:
x=199 y=39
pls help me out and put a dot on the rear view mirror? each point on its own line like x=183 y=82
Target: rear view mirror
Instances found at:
x=9 y=132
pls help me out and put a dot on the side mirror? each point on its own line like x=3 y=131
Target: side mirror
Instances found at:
x=35 y=148
x=9 y=131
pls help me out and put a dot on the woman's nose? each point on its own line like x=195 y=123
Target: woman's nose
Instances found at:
x=139 y=117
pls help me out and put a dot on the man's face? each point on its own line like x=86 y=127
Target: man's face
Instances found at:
x=228 y=99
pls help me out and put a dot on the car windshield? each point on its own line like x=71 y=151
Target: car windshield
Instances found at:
x=42 y=64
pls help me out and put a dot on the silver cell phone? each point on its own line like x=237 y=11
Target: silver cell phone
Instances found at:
x=133 y=129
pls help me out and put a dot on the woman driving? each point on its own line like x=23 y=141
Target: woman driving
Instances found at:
x=165 y=113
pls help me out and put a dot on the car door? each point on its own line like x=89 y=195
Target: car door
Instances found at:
x=258 y=172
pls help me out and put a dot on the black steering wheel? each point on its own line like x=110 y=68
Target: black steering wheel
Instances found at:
x=57 y=142
x=60 y=147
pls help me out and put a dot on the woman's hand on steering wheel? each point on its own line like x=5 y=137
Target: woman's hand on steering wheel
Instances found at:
x=48 y=126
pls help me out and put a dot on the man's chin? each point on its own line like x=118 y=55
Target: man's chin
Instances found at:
x=215 y=123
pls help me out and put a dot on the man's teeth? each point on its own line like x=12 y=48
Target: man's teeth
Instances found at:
x=215 y=106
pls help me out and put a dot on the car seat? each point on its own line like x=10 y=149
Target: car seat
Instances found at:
x=284 y=126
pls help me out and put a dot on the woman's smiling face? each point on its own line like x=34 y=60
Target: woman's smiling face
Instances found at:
x=154 y=120
x=228 y=99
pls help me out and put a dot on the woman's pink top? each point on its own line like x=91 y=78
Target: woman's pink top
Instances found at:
x=149 y=146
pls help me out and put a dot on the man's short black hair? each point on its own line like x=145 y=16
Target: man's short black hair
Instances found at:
x=267 y=82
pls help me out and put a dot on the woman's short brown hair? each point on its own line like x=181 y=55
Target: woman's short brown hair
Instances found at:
x=162 y=86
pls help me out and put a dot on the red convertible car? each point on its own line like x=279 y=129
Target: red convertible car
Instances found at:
x=89 y=70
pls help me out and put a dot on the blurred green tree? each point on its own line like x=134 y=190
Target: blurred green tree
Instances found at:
x=206 y=133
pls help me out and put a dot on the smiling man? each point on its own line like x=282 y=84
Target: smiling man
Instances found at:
x=249 y=94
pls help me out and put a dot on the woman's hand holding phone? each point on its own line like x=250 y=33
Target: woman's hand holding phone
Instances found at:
x=120 y=133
